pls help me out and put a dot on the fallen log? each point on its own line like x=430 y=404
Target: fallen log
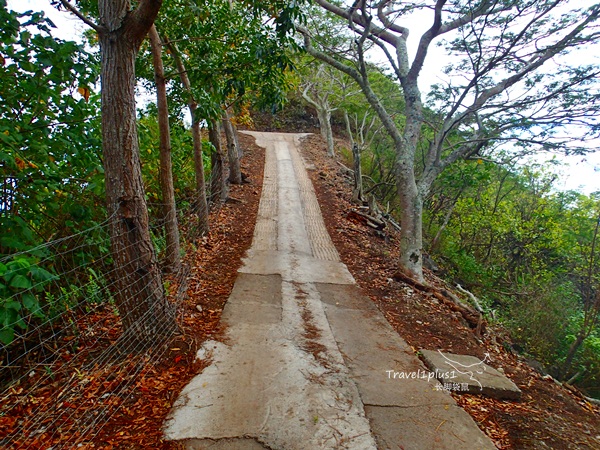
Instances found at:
x=347 y=171
x=474 y=318
x=231 y=199
x=366 y=219
x=474 y=299
x=393 y=223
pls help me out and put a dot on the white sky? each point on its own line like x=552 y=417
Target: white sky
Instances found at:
x=578 y=173
x=68 y=27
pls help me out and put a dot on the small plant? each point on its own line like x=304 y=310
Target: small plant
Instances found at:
x=96 y=289
x=167 y=287
x=160 y=242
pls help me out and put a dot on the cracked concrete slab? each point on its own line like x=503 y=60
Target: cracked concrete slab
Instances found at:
x=304 y=268
x=254 y=299
x=345 y=296
x=304 y=350
x=279 y=380
x=224 y=444
x=426 y=428
x=371 y=353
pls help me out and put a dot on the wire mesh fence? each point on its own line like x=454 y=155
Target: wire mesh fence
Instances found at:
x=66 y=366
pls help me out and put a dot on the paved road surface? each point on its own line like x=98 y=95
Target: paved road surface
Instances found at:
x=306 y=360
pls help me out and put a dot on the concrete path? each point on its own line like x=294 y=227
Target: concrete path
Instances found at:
x=309 y=362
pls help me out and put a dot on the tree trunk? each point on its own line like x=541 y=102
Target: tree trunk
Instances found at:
x=324 y=115
x=411 y=234
x=357 y=192
x=201 y=202
x=405 y=143
x=237 y=141
x=145 y=313
x=172 y=258
x=411 y=195
x=564 y=371
x=235 y=172
x=218 y=180
x=438 y=235
x=201 y=199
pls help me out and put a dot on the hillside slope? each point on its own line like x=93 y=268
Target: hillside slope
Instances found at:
x=548 y=416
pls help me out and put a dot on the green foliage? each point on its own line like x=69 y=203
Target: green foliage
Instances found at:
x=182 y=157
x=52 y=215
x=92 y=289
x=52 y=179
x=21 y=284
x=523 y=247
x=509 y=221
x=588 y=363
x=31 y=295
x=230 y=51
x=537 y=318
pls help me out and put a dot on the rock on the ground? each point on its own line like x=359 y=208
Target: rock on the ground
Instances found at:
x=469 y=374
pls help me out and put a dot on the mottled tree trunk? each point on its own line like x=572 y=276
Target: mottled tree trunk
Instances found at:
x=172 y=258
x=321 y=105
x=237 y=141
x=411 y=235
x=145 y=313
x=235 y=172
x=324 y=115
x=218 y=179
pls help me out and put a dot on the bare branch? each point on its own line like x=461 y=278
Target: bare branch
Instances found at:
x=426 y=40
x=325 y=57
x=487 y=7
x=363 y=82
x=388 y=55
x=403 y=31
x=81 y=17
x=307 y=97
x=360 y=20
x=535 y=62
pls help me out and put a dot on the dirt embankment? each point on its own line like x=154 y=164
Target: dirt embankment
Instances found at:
x=548 y=415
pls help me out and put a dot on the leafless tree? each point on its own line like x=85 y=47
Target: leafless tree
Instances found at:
x=509 y=82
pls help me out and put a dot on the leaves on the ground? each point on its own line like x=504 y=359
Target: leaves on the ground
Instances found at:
x=124 y=403
x=548 y=413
